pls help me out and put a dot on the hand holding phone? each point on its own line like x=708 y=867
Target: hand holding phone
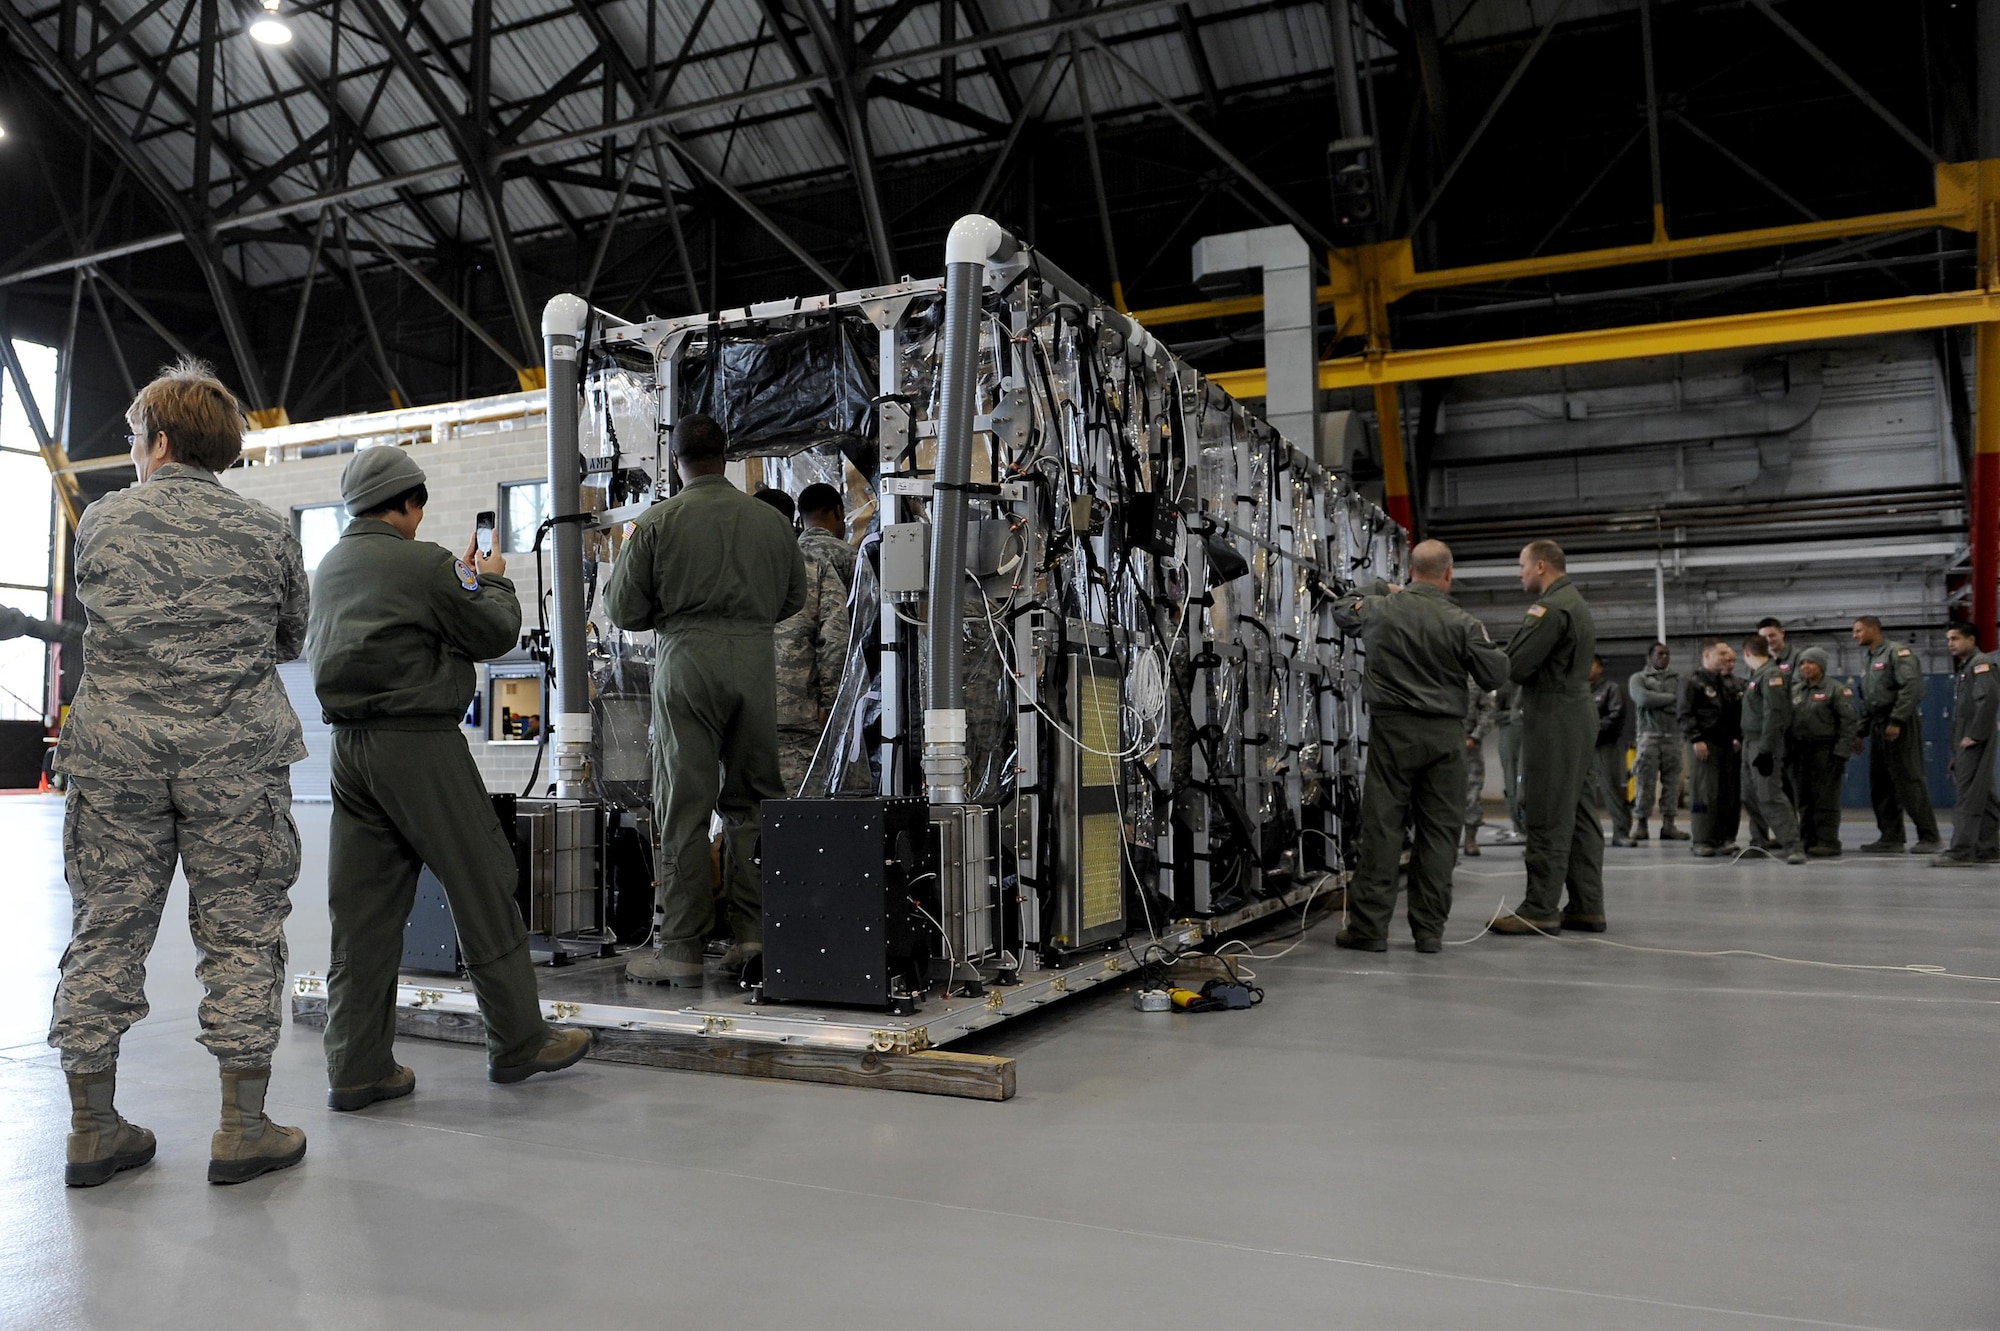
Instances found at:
x=482 y=554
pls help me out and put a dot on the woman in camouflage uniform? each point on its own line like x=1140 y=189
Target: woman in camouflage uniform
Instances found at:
x=179 y=749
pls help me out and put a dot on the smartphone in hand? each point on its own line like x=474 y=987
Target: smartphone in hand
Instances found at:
x=483 y=534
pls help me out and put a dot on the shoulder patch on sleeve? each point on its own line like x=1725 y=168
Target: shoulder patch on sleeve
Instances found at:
x=1357 y=603
x=1902 y=651
x=1982 y=668
x=1537 y=610
x=466 y=577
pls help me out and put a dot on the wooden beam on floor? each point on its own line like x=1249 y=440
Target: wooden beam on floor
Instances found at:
x=932 y=1072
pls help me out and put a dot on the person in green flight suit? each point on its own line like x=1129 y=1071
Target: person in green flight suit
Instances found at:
x=1766 y=717
x=1892 y=713
x=1824 y=724
x=1549 y=657
x=395 y=628
x=1421 y=649
x=1507 y=724
x=1975 y=709
x=712 y=572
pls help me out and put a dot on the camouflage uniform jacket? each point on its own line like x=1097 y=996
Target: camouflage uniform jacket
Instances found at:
x=1482 y=708
x=192 y=596
x=812 y=645
x=840 y=552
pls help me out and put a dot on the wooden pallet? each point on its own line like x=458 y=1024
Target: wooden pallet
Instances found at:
x=932 y=1072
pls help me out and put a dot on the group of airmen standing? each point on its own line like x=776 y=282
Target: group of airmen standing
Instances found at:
x=1771 y=744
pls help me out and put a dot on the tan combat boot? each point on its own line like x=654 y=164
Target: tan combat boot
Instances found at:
x=101 y=1142
x=248 y=1144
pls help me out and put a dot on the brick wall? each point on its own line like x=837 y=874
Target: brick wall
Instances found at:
x=464 y=476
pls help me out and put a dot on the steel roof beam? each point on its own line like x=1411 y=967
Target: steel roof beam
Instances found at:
x=1214 y=145
x=1197 y=55
x=884 y=27
x=996 y=63
x=1824 y=61
x=393 y=181
x=1492 y=112
x=657 y=121
x=835 y=51
x=191 y=230
x=471 y=142
x=958 y=113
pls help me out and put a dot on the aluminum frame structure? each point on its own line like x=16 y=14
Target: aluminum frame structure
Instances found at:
x=1104 y=513
x=1139 y=515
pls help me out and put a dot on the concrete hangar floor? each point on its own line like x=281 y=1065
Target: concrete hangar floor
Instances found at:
x=1515 y=1134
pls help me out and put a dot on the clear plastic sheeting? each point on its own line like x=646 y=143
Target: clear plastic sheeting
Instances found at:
x=841 y=762
x=617 y=435
x=621 y=716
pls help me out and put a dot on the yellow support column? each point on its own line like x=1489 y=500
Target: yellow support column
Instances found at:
x=1985 y=478
x=1395 y=471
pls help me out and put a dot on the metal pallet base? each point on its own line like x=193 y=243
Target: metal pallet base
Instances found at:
x=722 y=1031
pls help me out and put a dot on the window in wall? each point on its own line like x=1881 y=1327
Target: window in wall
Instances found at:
x=514 y=709
x=524 y=507
x=319 y=526
x=27 y=516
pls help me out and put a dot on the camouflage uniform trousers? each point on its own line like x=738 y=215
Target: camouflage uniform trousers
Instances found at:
x=795 y=754
x=235 y=837
x=796 y=751
x=1657 y=772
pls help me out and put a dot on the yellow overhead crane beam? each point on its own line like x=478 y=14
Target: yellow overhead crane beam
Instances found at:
x=1367 y=279
x=1391 y=268
x=1680 y=337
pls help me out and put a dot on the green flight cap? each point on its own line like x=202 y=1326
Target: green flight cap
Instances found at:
x=376 y=475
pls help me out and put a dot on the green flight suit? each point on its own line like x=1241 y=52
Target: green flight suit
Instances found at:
x=1767 y=715
x=1550 y=659
x=1421 y=648
x=1892 y=693
x=711 y=571
x=396 y=626
x=1508 y=723
x=1824 y=724
x=1787 y=664
x=1975 y=822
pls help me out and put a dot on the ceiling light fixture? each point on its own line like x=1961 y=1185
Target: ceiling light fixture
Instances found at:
x=271 y=30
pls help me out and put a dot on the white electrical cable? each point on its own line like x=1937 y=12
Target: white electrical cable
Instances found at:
x=1139 y=745
x=1911 y=968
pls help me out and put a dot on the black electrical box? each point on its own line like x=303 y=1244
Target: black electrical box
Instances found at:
x=1149 y=522
x=840 y=925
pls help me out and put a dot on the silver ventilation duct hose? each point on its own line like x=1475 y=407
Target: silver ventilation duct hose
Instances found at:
x=563 y=320
x=973 y=244
x=973 y=241
x=562 y=329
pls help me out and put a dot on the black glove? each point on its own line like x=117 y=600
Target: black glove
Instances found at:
x=1763 y=763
